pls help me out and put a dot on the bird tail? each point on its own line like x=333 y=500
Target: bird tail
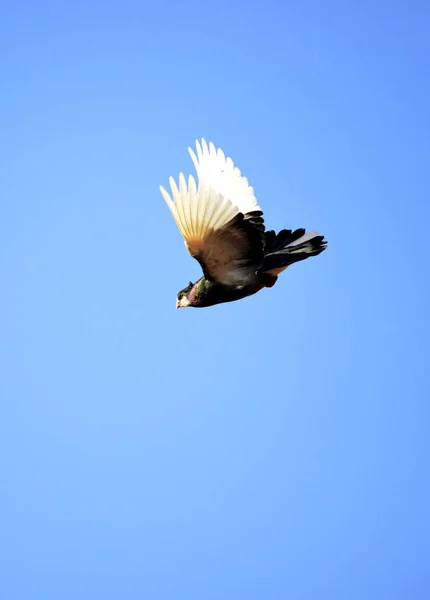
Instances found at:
x=287 y=247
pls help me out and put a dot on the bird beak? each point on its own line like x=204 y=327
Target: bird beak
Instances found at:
x=178 y=304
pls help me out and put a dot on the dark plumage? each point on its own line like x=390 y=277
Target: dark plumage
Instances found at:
x=223 y=229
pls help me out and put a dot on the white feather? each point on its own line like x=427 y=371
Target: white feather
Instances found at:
x=217 y=171
x=197 y=211
x=220 y=195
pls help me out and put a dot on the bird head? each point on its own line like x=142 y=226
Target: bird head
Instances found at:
x=182 y=299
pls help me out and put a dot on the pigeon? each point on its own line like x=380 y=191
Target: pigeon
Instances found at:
x=223 y=229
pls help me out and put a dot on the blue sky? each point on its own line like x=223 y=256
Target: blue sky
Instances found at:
x=271 y=448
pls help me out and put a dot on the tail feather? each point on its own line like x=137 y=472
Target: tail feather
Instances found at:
x=287 y=247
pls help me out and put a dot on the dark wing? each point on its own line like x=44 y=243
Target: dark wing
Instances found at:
x=232 y=254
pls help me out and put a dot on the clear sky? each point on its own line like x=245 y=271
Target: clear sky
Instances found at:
x=275 y=448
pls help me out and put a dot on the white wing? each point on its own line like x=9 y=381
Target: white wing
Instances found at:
x=197 y=211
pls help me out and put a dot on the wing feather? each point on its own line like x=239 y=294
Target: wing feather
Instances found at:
x=212 y=217
x=214 y=169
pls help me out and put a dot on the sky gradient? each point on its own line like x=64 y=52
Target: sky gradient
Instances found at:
x=274 y=448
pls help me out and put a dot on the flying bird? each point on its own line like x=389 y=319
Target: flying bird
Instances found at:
x=223 y=229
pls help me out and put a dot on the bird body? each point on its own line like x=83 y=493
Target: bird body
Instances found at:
x=206 y=293
x=223 y=229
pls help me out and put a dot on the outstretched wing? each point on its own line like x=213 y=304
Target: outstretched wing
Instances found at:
x=216 y=171
x=227 y=243
x=219 y=218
